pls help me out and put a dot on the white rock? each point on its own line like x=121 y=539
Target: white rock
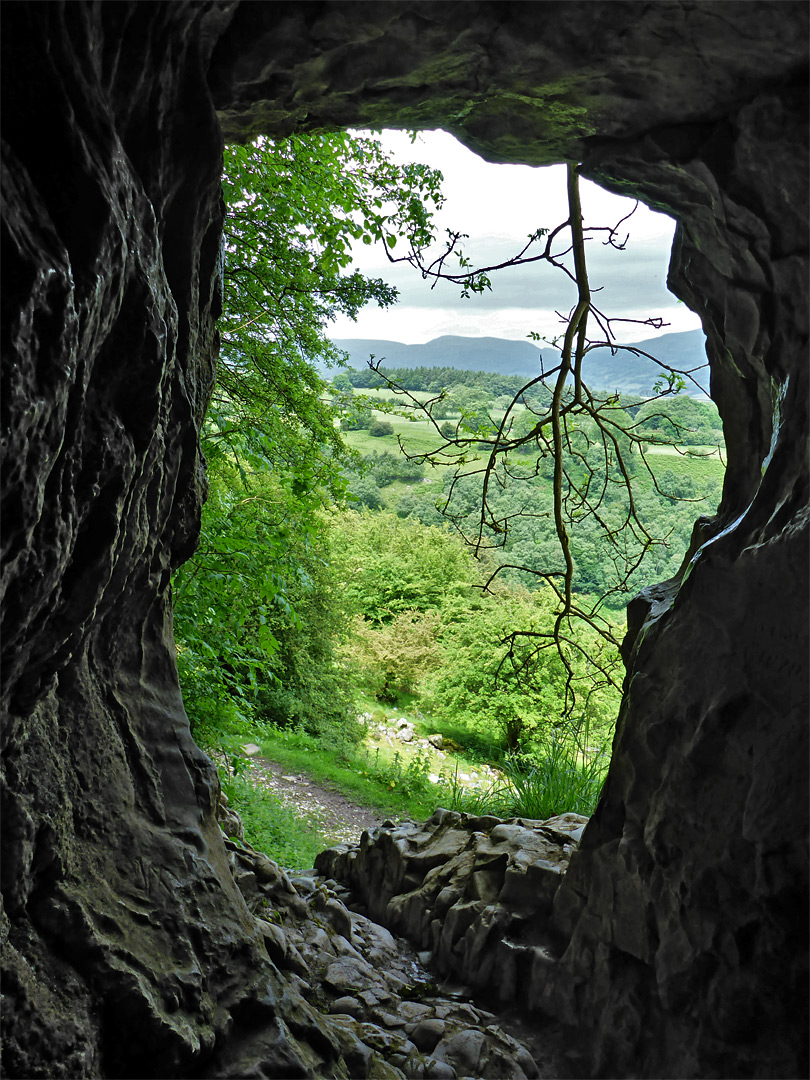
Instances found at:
x=250 y=749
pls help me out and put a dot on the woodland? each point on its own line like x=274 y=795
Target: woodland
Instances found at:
x=455 y=547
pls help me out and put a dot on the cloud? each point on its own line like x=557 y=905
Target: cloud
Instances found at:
x=497 y=205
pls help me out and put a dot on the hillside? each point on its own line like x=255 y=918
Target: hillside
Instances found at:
x=623 y=372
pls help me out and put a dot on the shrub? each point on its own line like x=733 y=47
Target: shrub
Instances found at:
x=395 y=655
x=380 y=428
x=366 y=492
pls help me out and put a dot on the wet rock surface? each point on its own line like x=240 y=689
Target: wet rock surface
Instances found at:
x=128 y=947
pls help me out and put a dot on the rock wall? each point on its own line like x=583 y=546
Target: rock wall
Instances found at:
x=475 y=892
x=127 y=948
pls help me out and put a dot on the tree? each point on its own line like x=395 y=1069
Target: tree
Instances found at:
x=586 y=439
x=380 y=428
x=293 y=208
x=395 y=656
x=342 y=382
x=245 y=607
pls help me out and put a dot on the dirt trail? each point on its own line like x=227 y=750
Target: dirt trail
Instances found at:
x=339 y=819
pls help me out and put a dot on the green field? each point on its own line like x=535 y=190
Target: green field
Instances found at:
x=704 y=464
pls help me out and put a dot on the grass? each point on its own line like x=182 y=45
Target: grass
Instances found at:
x=389 y=784
x=273 y=828
x=556 y=778
x=418 y=437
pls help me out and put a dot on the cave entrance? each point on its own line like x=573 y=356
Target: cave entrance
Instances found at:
x=478 y=670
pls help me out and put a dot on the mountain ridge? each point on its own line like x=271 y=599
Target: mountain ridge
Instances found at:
x=622 y=372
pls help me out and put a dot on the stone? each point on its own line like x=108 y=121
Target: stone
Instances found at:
x=250 y=749
x=348 y=1005
x=462 y=1050
x=439 y=1070
x=486 y=880
x=346 y=975
x=427 y=1033
x=275 y=942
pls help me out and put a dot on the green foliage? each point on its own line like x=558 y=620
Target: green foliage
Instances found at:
x=257 y=618
x=681 y=420
x=290 y=605
x=380 y=428
x=355 y=417
x=366 y=492
x=393 y=657
x=490 y=681
x=388 y=566
x=558 y=778
x=341 y=381
x=273 y=828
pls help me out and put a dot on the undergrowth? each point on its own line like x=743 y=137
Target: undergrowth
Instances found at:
x=273 y=828
x=555 y=777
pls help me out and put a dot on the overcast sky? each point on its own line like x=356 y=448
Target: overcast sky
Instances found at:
x=498 y=206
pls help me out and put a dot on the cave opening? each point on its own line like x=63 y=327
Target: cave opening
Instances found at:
x=253 y=636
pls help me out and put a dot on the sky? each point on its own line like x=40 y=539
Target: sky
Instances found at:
x=499 y=206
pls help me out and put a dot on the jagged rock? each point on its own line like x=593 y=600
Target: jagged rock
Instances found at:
x=364 y=988
x=477 y=892
x=128 y=948
x=229 y=821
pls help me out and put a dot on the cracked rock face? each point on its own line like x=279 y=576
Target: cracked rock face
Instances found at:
x=473 y=892
x=128 y=947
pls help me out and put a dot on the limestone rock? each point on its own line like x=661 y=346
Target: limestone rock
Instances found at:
x=359 y=1000
x=229 y=821
x=477 y=892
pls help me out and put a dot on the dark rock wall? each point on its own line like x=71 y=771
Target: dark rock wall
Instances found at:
x=685 y=915
x=120 y=912
x=681 y=922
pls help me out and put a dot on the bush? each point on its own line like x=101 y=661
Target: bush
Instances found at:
x=380 y=428
x=365 y=491
x=342 y=382
x=395 y=655
x=356 y=418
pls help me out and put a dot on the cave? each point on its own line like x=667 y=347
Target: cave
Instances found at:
x=682 y=921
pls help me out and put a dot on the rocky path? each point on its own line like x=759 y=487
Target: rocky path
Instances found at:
x=340 y=819
x=349 y=998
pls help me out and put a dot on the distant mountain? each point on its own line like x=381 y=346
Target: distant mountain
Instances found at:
x=469 y=354
x=636 y=375
x=623 y=372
